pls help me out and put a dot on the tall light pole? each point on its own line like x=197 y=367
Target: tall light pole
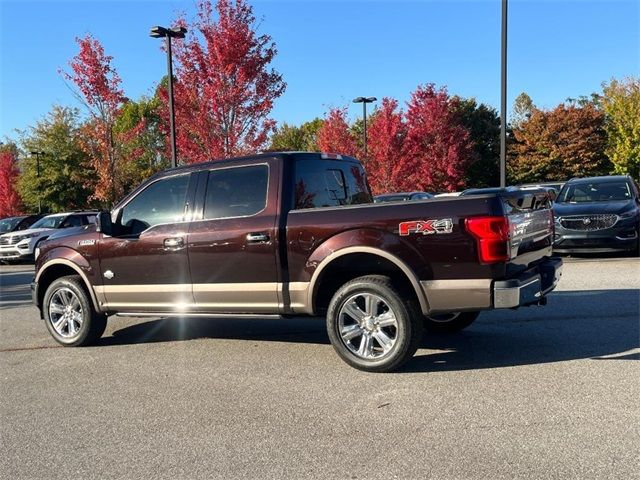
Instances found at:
x=168 y=34
x=364 y=101
x=503 y=99
x=37 y=154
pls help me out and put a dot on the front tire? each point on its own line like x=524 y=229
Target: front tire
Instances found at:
x=69 y=314
x=450 y=322
x=372 y=326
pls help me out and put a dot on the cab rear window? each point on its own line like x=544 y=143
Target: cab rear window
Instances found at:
x=329 y=183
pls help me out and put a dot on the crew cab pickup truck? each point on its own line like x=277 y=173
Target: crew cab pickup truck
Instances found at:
x=298 y=234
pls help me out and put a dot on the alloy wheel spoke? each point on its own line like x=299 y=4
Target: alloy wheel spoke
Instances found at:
x=365 y=346
x=350 y=332
x=383 y=340
x=387 y=319
x=72 y=326
x=60 y=323
x=75 y=303
x=64 y=297
x=353 y=310
x=371 y=305
x=56 y=308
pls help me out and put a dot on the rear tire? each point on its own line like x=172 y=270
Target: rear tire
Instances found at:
x=450 y=322
x=372 y=326
x=69 y=314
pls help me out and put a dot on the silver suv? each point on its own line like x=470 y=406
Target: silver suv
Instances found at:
x=22 y=244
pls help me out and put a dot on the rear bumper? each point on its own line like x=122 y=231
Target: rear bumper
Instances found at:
x=530 y=287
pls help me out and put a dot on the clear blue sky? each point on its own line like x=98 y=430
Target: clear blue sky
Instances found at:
x=333 y=51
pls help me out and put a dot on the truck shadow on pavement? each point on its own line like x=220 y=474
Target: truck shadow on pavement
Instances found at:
x=598 y=324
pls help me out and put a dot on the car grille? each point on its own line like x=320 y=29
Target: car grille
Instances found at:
x=589 y=223
x=9 y=240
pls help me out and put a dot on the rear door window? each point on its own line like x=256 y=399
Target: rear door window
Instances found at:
x=236 y=192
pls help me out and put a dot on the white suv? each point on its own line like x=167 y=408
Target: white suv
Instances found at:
x=21 y=245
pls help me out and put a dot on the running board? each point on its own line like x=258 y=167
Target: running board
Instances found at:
x=197 y=314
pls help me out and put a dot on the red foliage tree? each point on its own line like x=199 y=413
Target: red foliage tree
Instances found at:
x=335 y=136
x=10 y=202
x=224 y=90
x=437 y=146
x=99 y=90
x=385 y=163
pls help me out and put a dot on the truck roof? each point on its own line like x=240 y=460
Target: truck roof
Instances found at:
x=257 y=157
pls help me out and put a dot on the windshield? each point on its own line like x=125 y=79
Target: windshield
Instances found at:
x=8 y=224
x=594 y=192
x=52 y=221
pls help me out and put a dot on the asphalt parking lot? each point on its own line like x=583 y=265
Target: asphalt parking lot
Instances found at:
x=542 y=392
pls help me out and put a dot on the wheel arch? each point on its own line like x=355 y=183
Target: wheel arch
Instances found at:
x=351 y=262
x=56 y=268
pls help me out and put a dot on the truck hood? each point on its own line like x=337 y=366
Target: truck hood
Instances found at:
x=592 y=208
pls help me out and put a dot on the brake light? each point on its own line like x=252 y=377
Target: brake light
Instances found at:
x=492 y=237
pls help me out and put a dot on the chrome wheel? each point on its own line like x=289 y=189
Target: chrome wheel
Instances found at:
x=65 y=313
x=368 y=326
x=444 y=318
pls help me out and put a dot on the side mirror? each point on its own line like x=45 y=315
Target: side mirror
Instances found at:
x=103 y=223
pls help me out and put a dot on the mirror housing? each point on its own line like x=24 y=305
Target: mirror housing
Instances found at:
x=103 y=223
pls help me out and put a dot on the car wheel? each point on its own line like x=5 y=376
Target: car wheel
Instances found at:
x=69 y=314
x=449 y=322
x=372 y=326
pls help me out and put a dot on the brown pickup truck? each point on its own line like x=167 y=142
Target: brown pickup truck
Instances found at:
x=294 y=234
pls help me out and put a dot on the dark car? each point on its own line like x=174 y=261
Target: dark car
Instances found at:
x=22 y=222
x=596 y=215
x=402 y=197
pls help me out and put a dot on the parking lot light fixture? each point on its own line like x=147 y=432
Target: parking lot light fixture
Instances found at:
x=364 y=101
x=168 y=34
x=38 y=154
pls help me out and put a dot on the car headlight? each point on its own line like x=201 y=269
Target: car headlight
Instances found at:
x=19 y=238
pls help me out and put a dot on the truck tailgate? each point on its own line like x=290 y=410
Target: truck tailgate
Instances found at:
x=530 y=227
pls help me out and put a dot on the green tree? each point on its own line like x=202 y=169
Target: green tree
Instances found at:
x=292 y=138
x=66 y=178
x=140 y=127
x=483 y=124
x=621 y=104
x=522 y=109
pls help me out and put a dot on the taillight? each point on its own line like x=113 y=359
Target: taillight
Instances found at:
x=492 y=237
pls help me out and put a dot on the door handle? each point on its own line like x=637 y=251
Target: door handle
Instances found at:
x=173 y=243
x=257 y=237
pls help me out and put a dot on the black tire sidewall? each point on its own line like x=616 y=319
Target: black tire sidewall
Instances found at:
x=407 y=327
x=87 y=329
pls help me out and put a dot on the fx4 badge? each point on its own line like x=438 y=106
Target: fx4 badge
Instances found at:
x=426 y=227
